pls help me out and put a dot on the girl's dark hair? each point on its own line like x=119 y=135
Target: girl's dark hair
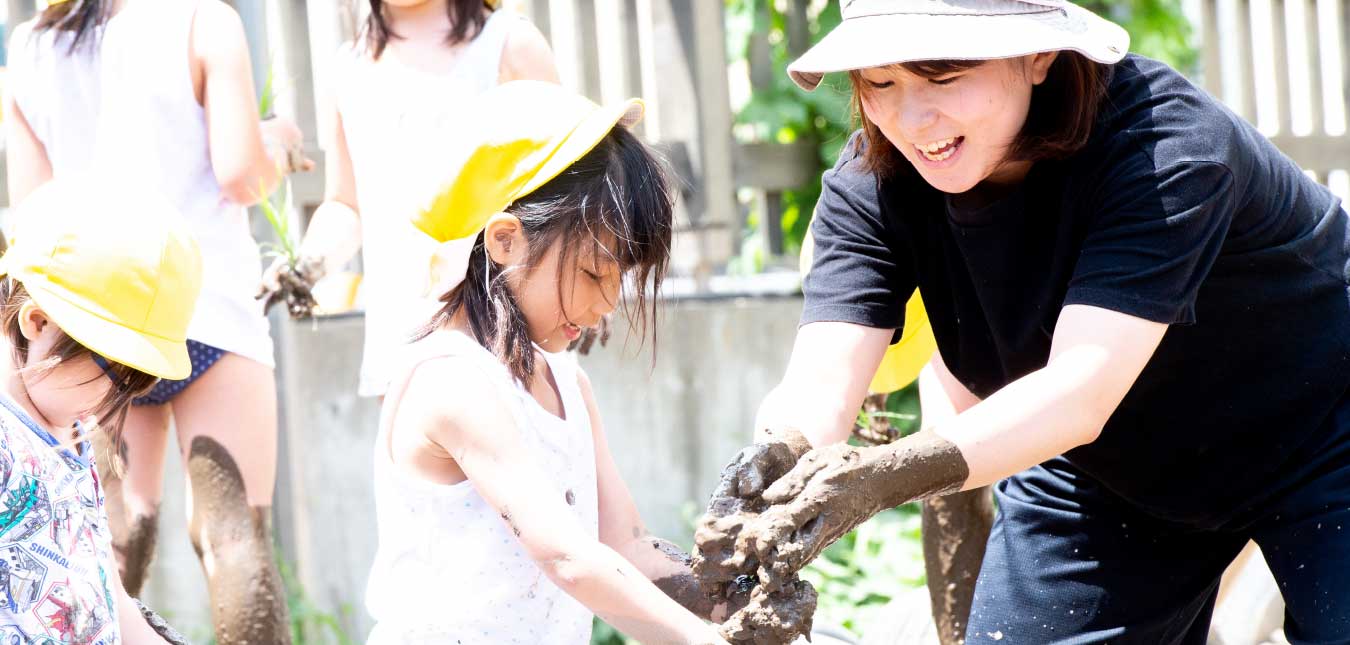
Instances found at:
x=615 y=199
x=1063 y=110
x=467 y=18
x=79 y=17
x=112 y=410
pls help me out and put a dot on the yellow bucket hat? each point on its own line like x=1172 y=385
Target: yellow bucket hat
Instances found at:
x=121 y=280
x=524 y=133
x=905 y=359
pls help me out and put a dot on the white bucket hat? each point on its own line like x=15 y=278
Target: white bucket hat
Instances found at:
x=885 y=32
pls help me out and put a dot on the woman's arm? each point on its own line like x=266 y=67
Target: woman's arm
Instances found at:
x=457 y=409
x=825 y=382
x=243 y=166
x=27 y=163
x=1095 y=357
x=526 y=56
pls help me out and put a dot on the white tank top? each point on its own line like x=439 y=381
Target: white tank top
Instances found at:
x=123 y=105
x=448 y=570
x=399 y=124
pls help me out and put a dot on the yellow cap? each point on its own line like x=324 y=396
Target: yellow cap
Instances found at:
x=523 y=134
x=115 y=270
x=905 y=359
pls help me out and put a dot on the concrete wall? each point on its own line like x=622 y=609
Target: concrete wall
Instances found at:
x=671 y=428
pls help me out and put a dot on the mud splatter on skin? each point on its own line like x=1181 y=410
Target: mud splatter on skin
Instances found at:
x=506 y=517
x=137 y=552
x=247 y=600
x=133 y=542
x=570 y=497
x=828 y=493
x=955 y=532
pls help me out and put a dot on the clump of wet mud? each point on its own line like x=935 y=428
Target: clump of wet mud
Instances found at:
x=774 y=533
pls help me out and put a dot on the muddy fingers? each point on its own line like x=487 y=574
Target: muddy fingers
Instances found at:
x=773 y=617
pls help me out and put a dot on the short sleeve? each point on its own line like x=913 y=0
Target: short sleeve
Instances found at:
x=1155 y=236
x=860 y=273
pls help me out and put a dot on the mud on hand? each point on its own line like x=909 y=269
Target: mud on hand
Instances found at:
x=737 y=496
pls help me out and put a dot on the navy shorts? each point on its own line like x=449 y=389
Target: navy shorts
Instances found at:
x=203 y=356
x=1068 y=561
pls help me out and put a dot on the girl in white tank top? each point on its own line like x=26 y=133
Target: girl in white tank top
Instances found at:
x=502 y=516
x=397 y=103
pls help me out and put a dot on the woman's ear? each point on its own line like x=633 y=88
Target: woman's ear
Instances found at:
x=505 y=239
x=32 y=321
x=1040 y=66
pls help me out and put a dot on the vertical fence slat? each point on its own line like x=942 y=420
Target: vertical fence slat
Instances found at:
x=1313 y=38
x=1246 y=59
x=1211 y=58
x=1280 y=49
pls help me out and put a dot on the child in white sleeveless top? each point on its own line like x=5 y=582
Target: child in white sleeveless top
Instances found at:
x=502 y=516
x=398 y=96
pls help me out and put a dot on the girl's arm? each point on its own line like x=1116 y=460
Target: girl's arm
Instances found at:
x=622 y=529
x=334 y=232
x=459 y=411
x=244 y=168
x=28 y=166
x=526 y=56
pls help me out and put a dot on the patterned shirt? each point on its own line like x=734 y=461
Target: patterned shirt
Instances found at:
x=55 y=550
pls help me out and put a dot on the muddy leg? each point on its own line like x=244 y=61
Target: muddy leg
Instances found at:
x=955 y=531
x=133 y=498
x=227 y=429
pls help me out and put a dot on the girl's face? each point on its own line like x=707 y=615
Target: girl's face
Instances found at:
x=558 y=302
x=956 y=129
x=68 y=392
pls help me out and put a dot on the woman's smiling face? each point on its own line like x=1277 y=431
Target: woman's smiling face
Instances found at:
x=955 y=128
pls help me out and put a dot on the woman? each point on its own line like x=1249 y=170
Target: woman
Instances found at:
x=1143 y=322
x=159 y=93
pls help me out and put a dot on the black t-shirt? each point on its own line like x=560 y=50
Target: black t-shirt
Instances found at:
x=1176 y=211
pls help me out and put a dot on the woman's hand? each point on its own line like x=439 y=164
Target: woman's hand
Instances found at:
x=828 y=493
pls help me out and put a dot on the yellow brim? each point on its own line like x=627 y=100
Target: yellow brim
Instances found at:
x=582 y=140
x=162 y=357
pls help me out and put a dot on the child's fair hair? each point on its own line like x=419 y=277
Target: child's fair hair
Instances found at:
x=112 y=409
x=617 y=200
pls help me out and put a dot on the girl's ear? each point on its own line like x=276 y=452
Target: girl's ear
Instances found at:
x=32 y=321
x=505 y=239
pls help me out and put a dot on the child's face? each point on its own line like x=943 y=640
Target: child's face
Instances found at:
x=71 y=390
x=558 y=302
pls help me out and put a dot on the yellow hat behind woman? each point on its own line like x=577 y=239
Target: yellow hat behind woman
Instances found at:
x=114 y=269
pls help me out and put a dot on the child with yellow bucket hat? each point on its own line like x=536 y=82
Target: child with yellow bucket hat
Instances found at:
x=502 y=515
x=94 y=308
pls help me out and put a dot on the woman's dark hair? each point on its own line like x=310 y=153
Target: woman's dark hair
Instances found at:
x=112 y=410
x=615 y=202
x=79 y=17
x=1063 y=110
x=467 y=18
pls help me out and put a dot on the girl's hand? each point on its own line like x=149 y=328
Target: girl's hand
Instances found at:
x=285 y=145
